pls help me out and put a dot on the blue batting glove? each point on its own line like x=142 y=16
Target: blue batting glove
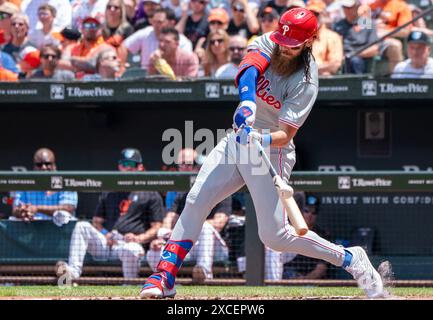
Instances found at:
x=242 y=135
x=245 y=114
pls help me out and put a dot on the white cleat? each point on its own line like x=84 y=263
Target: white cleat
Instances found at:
x=364 y=273
x=156 y=293
x=154 y=288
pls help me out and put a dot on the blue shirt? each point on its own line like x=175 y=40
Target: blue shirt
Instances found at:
x=46 y=198
x=8 y=62
x=169 y=199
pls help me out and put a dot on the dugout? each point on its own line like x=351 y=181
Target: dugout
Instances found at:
x=356 y=124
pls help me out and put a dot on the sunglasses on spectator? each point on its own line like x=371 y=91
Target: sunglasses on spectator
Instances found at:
x=216 y=41
x=112 y=58
x=43 y=163
x=128 y=164
x=199 y=1
x=4 y=15
x=216 y=22
x=236 y=49
x=158 y=21
x=43 y=13
x=90 y=25
x=113 y=7
x=47 y=56
x=307 y=210
x=268 y=19
x=238 y=9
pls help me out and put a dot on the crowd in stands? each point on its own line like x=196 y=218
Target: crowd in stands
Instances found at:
x=90 y=40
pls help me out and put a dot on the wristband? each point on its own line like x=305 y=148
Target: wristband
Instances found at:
x=248 y=103
x=266 y=140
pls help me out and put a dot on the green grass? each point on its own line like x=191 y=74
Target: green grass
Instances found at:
x=206 y=291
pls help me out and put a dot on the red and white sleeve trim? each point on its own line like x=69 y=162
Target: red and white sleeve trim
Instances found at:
x=292 y=124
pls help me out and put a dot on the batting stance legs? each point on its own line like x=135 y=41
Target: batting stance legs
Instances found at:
x=223 y=173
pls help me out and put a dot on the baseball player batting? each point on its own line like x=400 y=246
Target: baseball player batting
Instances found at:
x=278 y=85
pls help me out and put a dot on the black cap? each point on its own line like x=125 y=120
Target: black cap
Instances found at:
x=269 y=11
x=312 y=203
x=418 y=36
x=311 y=200
x=306 y=202
x=131 y=154
x=299 y=197
x=71 y=34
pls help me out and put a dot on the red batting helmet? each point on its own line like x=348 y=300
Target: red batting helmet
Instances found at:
x=296 y=26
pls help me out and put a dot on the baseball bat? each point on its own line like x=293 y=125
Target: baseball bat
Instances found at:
x=285 y=193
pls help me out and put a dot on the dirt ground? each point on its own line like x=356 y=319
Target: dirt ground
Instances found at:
x=225 y=298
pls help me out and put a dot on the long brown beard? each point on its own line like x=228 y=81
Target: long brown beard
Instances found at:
x=281 y=65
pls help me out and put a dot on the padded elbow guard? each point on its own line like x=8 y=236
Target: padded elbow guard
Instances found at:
x=253 y=58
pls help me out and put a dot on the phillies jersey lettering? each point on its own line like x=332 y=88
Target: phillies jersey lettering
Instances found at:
x=264 y=92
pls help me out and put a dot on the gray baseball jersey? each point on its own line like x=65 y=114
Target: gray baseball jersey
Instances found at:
x=283 y=99
x=279 y=99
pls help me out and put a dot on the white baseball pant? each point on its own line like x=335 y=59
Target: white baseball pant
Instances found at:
x=224 y=172
x=85 y=238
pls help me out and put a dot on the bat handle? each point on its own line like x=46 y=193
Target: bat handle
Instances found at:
x=259 y=147
x=265 y=158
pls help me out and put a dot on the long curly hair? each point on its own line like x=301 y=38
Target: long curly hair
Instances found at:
x=306 y=56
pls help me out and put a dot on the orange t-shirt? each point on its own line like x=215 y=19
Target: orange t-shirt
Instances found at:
x=328 y=47
x=7 y=75
x=79 y=50
x=398 y=12
x=16 y=2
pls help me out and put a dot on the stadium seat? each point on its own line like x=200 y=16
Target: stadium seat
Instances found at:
x=134 y=60
x=378 y=66
x=374 y=66
x=134 y=73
